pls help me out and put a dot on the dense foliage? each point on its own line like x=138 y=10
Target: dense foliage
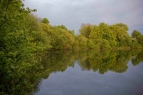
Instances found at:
x=99 y=37
x=19 y=28
x=23 y=36
x=98 y=61
x=20 y=40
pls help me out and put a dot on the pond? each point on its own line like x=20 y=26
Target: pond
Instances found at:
x=92 y=73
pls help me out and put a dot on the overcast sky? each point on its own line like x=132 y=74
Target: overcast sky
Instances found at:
x=72 y=13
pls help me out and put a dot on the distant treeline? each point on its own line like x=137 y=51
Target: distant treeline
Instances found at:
x=22 y=30
x=102 y=36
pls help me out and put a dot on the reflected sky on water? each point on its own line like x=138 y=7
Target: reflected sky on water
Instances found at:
x=83 y=78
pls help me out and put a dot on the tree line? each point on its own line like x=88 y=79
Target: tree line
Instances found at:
x=23 y=31
x=23 y=36
x=99 y=37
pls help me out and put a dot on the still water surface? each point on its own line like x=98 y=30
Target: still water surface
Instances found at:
x=82 y=73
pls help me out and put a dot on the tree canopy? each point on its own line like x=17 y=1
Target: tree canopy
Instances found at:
x=135 y=34
x=45 y=20
x=23 y=37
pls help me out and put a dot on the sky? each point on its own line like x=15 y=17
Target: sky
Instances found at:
x=73 y=13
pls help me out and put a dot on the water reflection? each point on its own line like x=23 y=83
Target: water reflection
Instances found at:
x=105 y=61
x=115 y=61
x=19 y=77
x=56 y=61
x=26 y=78
x=137 y=59
x=96 y=63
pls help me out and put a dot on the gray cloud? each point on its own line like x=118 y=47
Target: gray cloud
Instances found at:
x=72 y=13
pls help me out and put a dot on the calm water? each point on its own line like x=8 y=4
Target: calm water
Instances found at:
x=92 y=73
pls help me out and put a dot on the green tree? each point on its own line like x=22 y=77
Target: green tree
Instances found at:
x=62 y=26
x=140 y=40
x=96 y=37
x=107 y=34
x=82 y=42
x=90 y=44
x=135 y=34
x=123 y=26
x=85 y=30
x=17 y=49
x=121 y=34
x=45 y=20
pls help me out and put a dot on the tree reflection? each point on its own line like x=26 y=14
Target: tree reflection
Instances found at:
x=101 y=61
x=24 y=79
x=20 y=78
x=56 y=61
x=137 y=58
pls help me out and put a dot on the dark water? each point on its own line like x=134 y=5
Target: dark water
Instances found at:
x=92 y=73
x=74 y=73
